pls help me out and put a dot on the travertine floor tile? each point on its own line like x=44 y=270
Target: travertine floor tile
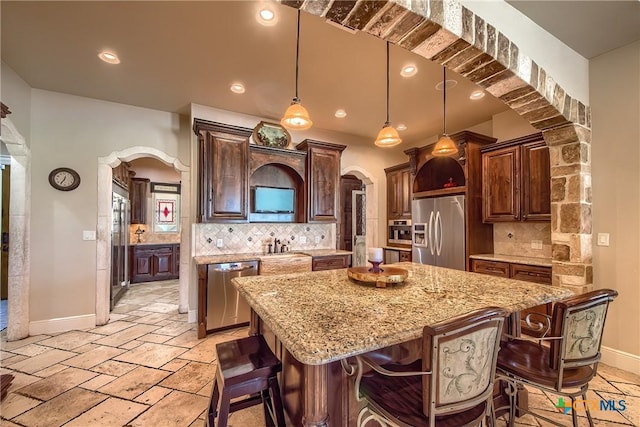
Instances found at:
x=94 y=357
x=161 y=307
x=628 y=389
x=97 y=382
x=15 y=404
x=187 y=339
x=156 y=338
x=612 y=374
x=56 y=384
x=176 y=409
x=203 y=352
x=131 y=345
x=111 y=412
x=191 y=378
x=70 y=340
x=631 y=412
x=134 y=383
x=129 y=334
x=153 y=395
x=174 y=365
x=31 y=350
x=112 y=367
x=151 y=354
x=19 y=379
x=174 y=329
x=112 y=328
x=13 y=345
x=60 y=409
x=42 y=361
x=53 y=369
x=14 y=359
x=153 y=318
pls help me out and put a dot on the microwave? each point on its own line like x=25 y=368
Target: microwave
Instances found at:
x=400 y=231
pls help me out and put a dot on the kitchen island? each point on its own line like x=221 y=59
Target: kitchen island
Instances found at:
x=315 y=320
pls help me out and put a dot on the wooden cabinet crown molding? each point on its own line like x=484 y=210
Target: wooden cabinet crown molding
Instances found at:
x=200 y=125
x=535 y=137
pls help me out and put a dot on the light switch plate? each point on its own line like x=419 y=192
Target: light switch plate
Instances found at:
x=219 y=243
x=317 y=239
x=303 y=239
x=89 y=235
x=603 y=239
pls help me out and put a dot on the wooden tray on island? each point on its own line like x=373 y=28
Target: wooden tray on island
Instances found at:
x=388 y=276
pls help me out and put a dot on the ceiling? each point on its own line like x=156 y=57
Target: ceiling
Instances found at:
x=176 y=53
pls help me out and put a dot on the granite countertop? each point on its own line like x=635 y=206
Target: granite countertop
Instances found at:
x=542 y=262
x=257 y=256
x=324 y=316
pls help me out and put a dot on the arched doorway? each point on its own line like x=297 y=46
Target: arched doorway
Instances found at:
x=371 y=201
x=103 y=264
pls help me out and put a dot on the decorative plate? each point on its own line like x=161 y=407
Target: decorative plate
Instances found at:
x=271 y=135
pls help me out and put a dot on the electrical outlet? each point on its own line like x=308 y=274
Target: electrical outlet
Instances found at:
x=536 y=244
x=317 y=239
x=603 y=239
x=219 y=243
x=303 y=239
x=89 y=235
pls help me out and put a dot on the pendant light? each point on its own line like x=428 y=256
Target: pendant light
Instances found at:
x=296 y=117
x=388 y=136
x=445 y=145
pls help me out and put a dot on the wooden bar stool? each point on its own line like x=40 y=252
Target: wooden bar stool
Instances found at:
x=246 y=367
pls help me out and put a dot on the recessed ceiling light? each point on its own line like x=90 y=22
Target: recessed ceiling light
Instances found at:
x=401 y=127
x=237 y=88
x=477 y=94
x=109 y=57
x=450 y=84
x=266 y=16
x=341 y=113
x=409 y=70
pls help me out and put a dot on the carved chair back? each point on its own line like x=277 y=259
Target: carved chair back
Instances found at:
x=579 y=322
x=461 y=354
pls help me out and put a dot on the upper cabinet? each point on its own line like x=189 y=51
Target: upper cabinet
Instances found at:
x=223 y=178
x=323 y=179
x=516 y=180
x=398 y=192
x=138 y=196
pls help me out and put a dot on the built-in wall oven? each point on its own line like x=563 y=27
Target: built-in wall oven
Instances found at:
x=400 y=231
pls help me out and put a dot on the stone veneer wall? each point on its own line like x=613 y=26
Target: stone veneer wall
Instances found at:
x=515 y=238
x=449 y=34
x=254 y=237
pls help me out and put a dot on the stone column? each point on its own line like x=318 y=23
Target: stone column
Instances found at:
x=571 y=234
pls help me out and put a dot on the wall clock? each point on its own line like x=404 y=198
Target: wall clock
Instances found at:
x=64 y=179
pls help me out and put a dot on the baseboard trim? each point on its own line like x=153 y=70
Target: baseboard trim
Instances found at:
x=192 y=316
x=620 y=359
x=62 y=324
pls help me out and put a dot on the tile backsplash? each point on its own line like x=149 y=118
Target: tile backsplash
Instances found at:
x=255 y=237
x=517 y=238
x=148 y=236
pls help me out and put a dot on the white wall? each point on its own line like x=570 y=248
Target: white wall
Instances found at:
x=73 y=131
x=568 y=68
x=615 y=151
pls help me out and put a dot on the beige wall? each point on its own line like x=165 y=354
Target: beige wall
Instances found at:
x=73 y=132
x=615 y=97
x=16 y=94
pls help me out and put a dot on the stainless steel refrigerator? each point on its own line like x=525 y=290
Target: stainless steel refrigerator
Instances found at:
x=120 y=212
x=438 y=236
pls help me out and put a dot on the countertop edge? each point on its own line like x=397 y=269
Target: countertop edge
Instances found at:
x=514 y=259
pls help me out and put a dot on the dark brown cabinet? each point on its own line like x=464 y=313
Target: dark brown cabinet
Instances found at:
x=138 y=198
x=398 y=191
x=516 y=181
x=526 y=272
x=223 y=165
x=154 y=262
x=330 y=262
x=323 y=180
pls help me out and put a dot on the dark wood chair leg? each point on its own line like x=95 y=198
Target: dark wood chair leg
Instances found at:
x=223 y=413
x=276 y=401
x=213 y=404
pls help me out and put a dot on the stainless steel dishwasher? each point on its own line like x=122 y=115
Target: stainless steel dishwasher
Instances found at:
x=225 y=307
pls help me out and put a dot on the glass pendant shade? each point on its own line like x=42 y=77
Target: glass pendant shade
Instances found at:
x=296 y=117
x=445 y=146
x=387 y=137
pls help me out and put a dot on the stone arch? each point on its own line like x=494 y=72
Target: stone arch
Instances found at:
x=451 y=35
x=103 y=255
x=19 y=231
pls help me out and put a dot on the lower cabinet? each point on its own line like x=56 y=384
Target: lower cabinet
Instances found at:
x=330 y=262
x=396 y=255
x=154 y=262
x=529 y=273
